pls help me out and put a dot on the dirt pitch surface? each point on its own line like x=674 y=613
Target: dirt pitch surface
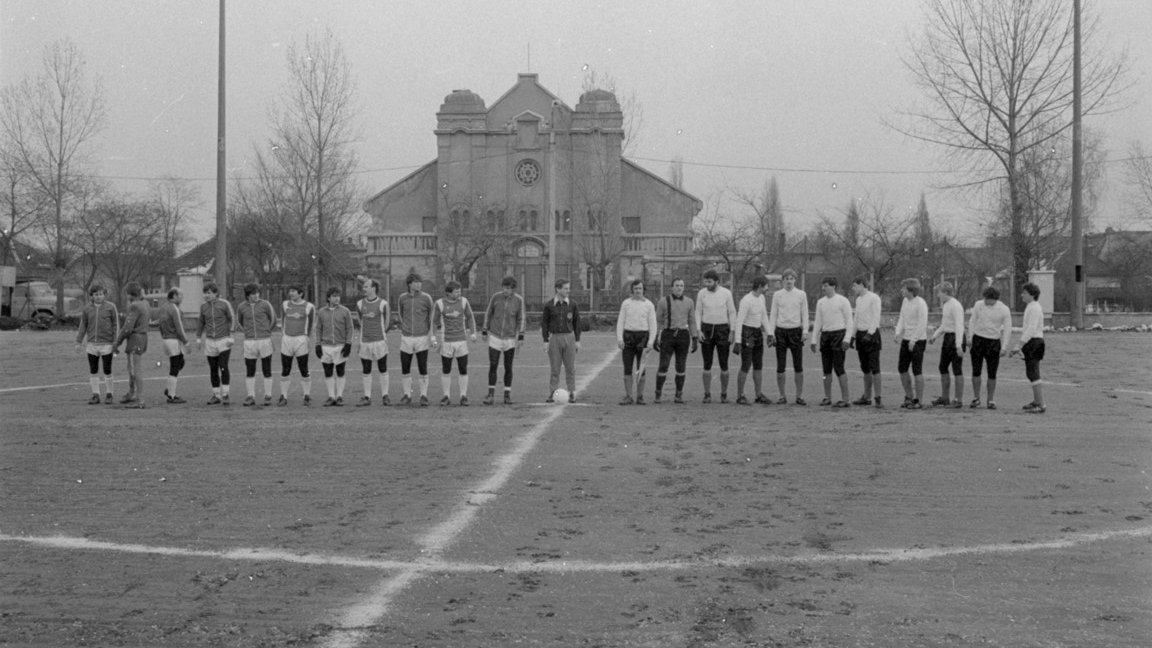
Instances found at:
x=586 y=525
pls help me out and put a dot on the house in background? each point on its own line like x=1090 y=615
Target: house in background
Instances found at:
x=522 y=182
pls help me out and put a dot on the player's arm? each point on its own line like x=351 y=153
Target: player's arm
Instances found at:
x=652 y=330
x=738 y=326
x=849 y=321
x=546 y=319
x=620 y=324
x=804 y=317
x=521 y=318
x=817 y=325
x=469 y=319
x=488 y=314
x=180 y=333
x=576 y=324
x=83 y=328
x=731 y=306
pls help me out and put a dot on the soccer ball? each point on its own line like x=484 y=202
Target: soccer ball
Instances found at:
x=561 y=395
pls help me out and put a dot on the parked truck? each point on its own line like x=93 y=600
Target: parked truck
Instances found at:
x=37 y=300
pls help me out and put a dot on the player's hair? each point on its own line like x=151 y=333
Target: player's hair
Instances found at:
x=560 y=283
x=132 y=289
x=372 y=282
x=991 y=293
x=413 y=278
x=95 y=288
x=675 y=279
x=946 y=288
x=173 y=293
x=1032 y=289
x=788 y=272
x=298 y=289
x=452 y=286
x=862 y=280
x=251 y=289
x=759 y=281
x=331 y=291
x=632 y=284
x=509 y=281
x=211 y=288
x=830 y=281
x=712 y=274
x=912 y=284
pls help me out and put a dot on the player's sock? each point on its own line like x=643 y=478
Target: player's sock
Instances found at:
x=385 y=384
x=424 y=386
x=679 y=383
x=250 y=386
x=445 y=384
x=224 y=389
x=109 y=383
x=267 y=388
x=330 y=385
x=306 y=386
x=366 y=381
x=464 y=385
x=406 y=382
x=171 y=386
x=94 y=383
x=340 y=381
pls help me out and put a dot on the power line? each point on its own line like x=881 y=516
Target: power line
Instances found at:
x=739 y=167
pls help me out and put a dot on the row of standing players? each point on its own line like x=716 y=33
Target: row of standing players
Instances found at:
x=673 y=328
x=676 y=326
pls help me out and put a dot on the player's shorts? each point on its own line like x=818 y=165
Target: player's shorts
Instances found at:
x=454 y=349
x=868 y=347
x=294 y=346
x=985 y=349
x=98 y=349
x=714 y=334
x=950 y=357
x=911 y=356
x=172 y=347
x=414 y=344
x=256 y=349
x=752 y=337
x=789 y=338
x=501 y=344
x=137 y=343
x=373 y=350
x=213 y=348
x=332 y=354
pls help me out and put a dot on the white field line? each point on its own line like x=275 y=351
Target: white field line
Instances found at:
x=350 y=627
x=412 y=570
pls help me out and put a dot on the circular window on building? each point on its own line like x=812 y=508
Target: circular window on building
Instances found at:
x=527 y=172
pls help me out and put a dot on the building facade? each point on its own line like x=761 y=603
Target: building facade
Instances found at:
x=522 y=186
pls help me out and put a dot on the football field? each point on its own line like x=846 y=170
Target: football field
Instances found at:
x=577 y=525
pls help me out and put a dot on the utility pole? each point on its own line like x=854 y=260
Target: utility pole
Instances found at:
x=221 y=269
x=1077 y=179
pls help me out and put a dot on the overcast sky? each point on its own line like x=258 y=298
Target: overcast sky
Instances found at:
x=741 y=91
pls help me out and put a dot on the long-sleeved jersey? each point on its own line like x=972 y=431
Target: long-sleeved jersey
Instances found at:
x=299 y=318
x=1033 y=324
x=715 y=307
x=951 y=321
x=913 y=322
x=99 y=324
x=374 y=316
x=216 y=319
x=256 y=319
x=753 y=313
x=454 y=317
x=172 y=323
x=415 y=314
x=992 y=322
x=868 y=312
x=833 y=314
x=135 y=321
x=334 y=326
x=636 y=315
x=789 y=310
x=505 y=316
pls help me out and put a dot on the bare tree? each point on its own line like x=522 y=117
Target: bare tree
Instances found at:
x=50 y=120
x=466 y=236
x=1138 y=173
x=22 y=204
x=997 y=81
x=880 y=242
x=766 y=221
x=1045 y=189
x=732 y=240
x=305 y=173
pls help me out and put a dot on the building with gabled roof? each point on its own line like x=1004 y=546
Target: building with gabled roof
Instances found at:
x=524 y=182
